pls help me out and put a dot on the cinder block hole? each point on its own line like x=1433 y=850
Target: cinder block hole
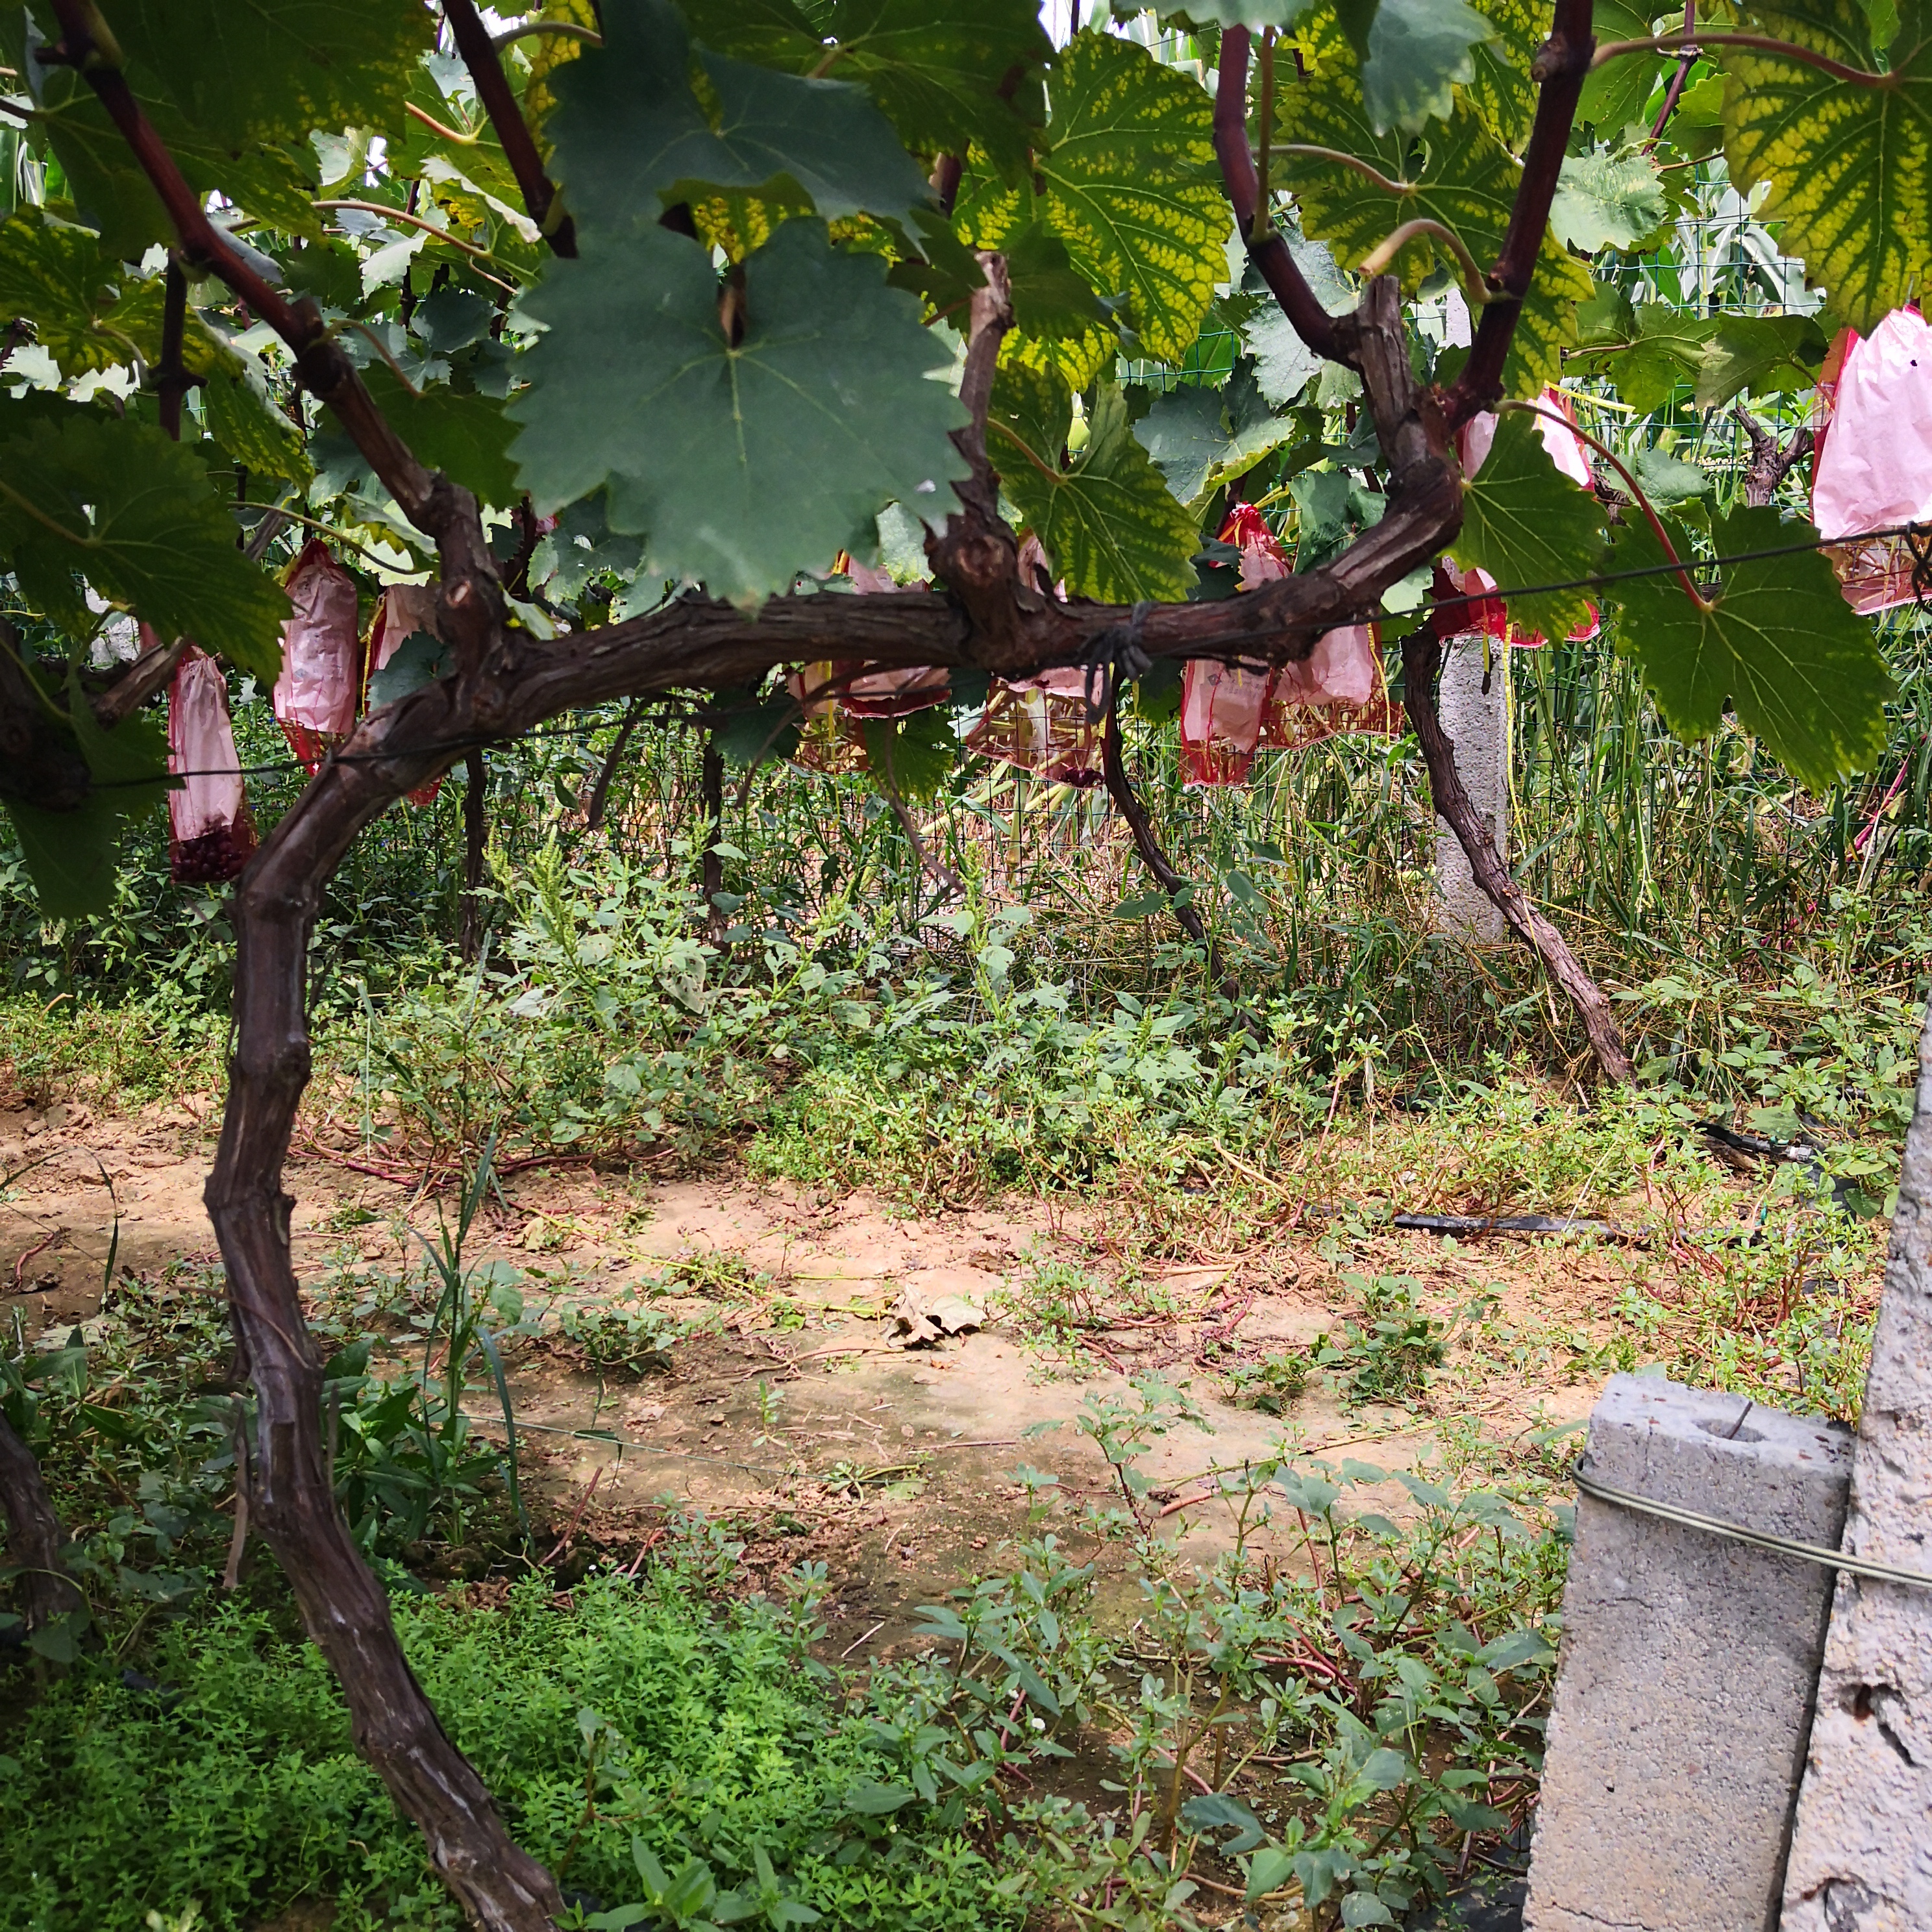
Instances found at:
x=1729 y=1431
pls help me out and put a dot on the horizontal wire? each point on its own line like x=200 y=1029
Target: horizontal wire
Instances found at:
x=1781 y=1546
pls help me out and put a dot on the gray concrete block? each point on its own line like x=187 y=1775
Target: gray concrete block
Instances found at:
x=1862 y=1850
x=1476 y=722
x=1683 y=1698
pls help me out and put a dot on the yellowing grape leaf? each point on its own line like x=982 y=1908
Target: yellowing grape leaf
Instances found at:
x=1129 y=185
x=1801 y=669
x=741 y=464
x=1107 y=522
x=269 y=71
x=52 y=275
x=1501 y=90
x=1461 y=176
x=1850 y=166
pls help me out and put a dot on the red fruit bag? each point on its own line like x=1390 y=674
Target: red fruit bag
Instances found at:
x=404 y=610
x=322 y=657
x=210 y=832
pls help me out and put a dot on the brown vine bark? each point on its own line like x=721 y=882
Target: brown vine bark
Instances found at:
x=1770 y=462
x=1421 y=660
x=35 y=1537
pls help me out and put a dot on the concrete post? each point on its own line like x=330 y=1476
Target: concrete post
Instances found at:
x=1862 y=1848
x=1683 y=1697
x=1476 y=722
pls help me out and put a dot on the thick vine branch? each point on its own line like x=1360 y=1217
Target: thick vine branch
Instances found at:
x=1421 y=661
x=520 y=148
x=1561 y=66
x=1266 y=249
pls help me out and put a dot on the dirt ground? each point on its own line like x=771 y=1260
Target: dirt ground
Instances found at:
x=795 y=1410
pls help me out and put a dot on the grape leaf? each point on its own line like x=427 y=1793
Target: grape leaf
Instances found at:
x=1501 y=90
x=942 y=71
x=1526 y=524
x=467 y=437
x=1607 y=200
x=1850 y=166
x=1801 y=669
x=51 y=274
x=1667 y=348
x=1463 y=177
x=1051 y=297
x=269 y=71
x=134 y=511
x=1667 y=480
x=243 y=416
x=1758 y=355
x=73 y=857
x=1199 y=438
x=1283 y=362
x=1129 y=185
x=911 y=756
x=1411 y=53
x=741 y=466
x=628 y=132
x=1108 y=523
x=1615 y=94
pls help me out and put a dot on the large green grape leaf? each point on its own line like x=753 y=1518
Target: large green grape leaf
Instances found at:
x=134 y=513
x=1527 y=523
x=741 y=466
x=1758 y=355
x=912 y=756
x=1801 y=669
x=628 y=129
x=1199 y=438
x=1607 y=200
x=1108 y=523
x=1501 y=90
x=1412 y=52
x=1462 y=176
x=267 y=70
x=51 y=274
x=1850 y=166
x=1129 y=185
x=949 y=74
